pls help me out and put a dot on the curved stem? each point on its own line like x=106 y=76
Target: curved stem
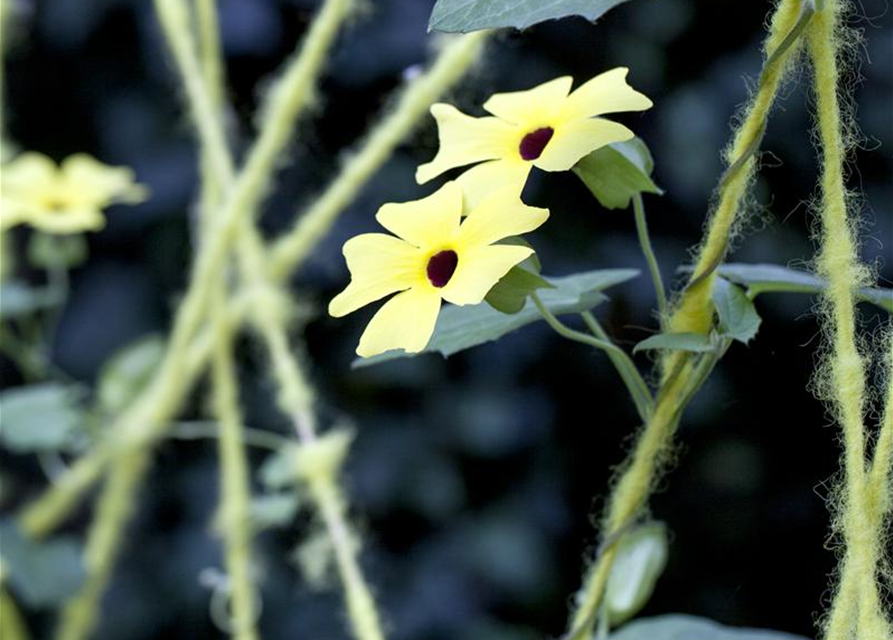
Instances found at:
x=629 y=374
x=650 y=257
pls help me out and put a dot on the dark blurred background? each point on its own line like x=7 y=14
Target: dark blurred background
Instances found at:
x=475 y=480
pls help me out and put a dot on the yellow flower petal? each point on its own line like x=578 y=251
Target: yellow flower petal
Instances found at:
x=500 y=215
x=26 y=177
x=576 y=139
x=535 y=107
x=406 y=321
x=428 y=222
x=379 y=265
x=465 y=140
x=480 y=181
x=607 y=92
x=68 y=221
x=479 y=269
x=87 y=181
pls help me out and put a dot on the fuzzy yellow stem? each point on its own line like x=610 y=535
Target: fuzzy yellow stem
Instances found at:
x=164 y=397
x=290 y=251
x=879 y=479
x=147 y=419
x=234 y=480
x=209 y=48
x=856 y=610
x=296 y=400
x=630 y=495
x=694 y=312
x=116 y=503
x=12 y=625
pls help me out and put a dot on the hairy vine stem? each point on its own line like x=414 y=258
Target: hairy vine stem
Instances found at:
x=681 y=376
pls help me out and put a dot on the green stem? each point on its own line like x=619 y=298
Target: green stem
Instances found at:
x=625 y=367
x=198 y=430
x=650 y=257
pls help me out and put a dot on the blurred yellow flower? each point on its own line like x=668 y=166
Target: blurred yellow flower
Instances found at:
x=435 y=257
x=547 y=127
x=68 y=198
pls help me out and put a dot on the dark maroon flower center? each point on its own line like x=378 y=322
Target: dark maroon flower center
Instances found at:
x=533 y=143
x=441 y=267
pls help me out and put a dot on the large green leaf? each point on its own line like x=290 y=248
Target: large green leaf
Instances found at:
x=43 y=573
x=460 y=328
x=462 y=16
x=683 y=627
x=40 y=417
x=764 y=278
x=617 y=172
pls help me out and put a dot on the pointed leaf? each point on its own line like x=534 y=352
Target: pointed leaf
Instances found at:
x=738 y=318
x=460 y=328
x=695 y=342
x=510 y=294
x=765 y=278
x=617 y=172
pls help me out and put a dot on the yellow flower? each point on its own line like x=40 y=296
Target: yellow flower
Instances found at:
x=62 y=199
x=545 y=127
x=434 y=258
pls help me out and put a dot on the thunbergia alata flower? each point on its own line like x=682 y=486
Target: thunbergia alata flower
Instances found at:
x=436 y=256
x=548 y=127
x=66 y=198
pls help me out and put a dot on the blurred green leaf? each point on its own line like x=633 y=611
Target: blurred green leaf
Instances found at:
x=676 y=342
x=43 y=574
x=617 y=172
x=20 y=299
x=127 y=372
x=40 y=417
x=462 y=16
x=274 y=510
x=460 y=328
x=641 y=558
x=738 y=317
x=51 y=251
x=510 y=294
x=766 y=278
x=683 y=627
x=279 y=470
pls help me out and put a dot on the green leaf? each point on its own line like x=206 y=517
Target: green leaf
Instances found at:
x=510 y=294
x=738 y=318
x=40 y=417
x=617 y=172
x=462 y=16
x=641 y=558
x=274 y=510
x=51 y=251
x=127 y=372
x=696 y=342
x=43 y=574
x=766 y=278
x=683 y=627
x=280 y=469
x=460 y=328
x=19 y=299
